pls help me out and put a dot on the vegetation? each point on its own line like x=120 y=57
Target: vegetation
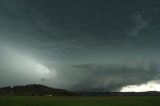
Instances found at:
x=79 y=101
x=33 y=90
x=39 y=95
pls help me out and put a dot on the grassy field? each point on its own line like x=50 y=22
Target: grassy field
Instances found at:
x=79 y=101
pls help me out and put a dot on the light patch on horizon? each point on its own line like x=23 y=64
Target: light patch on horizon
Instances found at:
x=149 y=86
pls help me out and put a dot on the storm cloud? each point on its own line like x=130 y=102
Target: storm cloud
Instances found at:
x=79 y=45
x=112 y=77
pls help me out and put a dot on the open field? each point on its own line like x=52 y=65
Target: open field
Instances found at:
x=80 y=101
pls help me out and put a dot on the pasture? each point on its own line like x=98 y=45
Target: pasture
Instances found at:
x=80 y=101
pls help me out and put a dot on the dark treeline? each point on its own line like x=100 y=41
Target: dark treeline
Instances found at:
x=33 y=90
x=41 y=90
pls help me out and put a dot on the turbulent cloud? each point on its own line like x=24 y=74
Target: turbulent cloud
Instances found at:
x=18 y=68
x=139 y=24
x=113 y=77
x=103 y=38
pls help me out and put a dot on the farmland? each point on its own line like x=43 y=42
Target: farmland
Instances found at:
x=79 y=101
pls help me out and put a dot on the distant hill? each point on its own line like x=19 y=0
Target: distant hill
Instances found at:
x=33 y=90
x=149 y=93
x=41 y=90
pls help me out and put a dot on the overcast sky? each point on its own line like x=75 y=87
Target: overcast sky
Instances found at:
x=92 y=45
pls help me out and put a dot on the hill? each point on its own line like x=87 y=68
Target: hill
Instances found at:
x=33 y=90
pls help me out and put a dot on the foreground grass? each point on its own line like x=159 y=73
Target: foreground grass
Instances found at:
x=80 y=101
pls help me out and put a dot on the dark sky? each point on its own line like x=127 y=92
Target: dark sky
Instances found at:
x=79 y=44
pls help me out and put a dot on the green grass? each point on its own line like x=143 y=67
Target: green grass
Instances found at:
x=79 y=101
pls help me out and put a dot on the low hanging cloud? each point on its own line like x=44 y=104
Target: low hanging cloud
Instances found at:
x=113 y=77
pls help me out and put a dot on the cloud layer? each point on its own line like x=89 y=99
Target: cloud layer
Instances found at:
x=89 y=44
x=109 y=77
